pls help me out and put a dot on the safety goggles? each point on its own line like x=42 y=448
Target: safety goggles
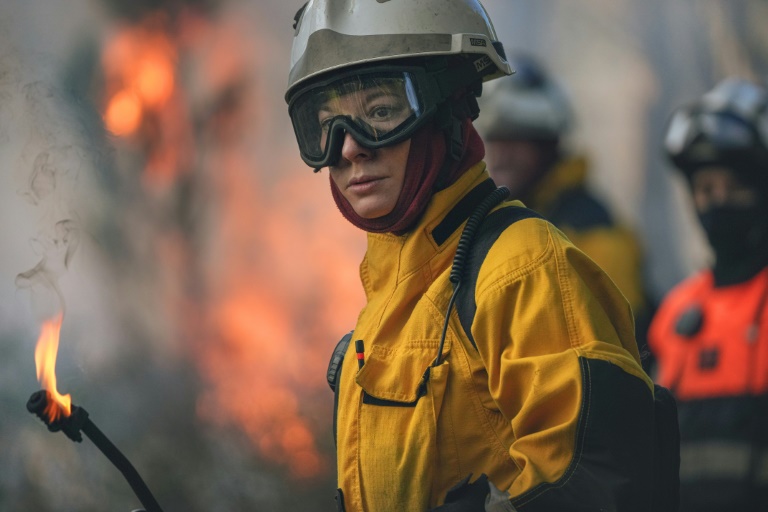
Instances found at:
x=379 y=107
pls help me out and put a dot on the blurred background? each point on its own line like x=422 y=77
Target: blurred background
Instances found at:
x=150 y=186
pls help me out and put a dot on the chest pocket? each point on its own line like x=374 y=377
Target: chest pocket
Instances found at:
x=402 y=397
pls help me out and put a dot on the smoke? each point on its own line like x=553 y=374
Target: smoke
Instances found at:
x=199 y=291
x=56 y=250
x=50 y=149
x=61 y=149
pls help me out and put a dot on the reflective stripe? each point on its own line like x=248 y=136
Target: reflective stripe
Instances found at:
x=714 y=460
x=722 y=460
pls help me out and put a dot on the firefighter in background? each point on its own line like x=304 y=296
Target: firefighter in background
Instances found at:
x=525 y=393
x=524 y=122
x=710 y=335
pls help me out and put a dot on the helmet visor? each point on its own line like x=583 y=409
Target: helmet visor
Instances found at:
x=722 y=131
x=378 y=108
x=727 y=132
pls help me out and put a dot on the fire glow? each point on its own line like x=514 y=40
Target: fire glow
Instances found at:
x=259 y=334
x=143 y=103
x=140 y=72
x=45 y=362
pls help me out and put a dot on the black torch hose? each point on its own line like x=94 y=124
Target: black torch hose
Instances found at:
x=117 y=458
x=78 y=421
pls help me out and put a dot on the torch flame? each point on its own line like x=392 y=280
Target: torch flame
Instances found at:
x=45 y=362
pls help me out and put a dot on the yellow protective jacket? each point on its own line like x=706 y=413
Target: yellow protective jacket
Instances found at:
x=545 y=394
x=562 y=197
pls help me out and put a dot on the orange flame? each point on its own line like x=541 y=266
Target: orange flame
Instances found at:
x=45 y=363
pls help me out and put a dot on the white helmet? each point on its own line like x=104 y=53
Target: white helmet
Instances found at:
x=394 y=45
x=527 y=105
x=333 y=34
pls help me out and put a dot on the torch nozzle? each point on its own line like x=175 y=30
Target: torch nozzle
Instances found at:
x=40 y=404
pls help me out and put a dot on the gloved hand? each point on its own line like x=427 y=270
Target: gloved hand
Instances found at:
x=465 y=496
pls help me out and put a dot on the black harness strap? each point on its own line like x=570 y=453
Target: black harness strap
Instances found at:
x=489 y=231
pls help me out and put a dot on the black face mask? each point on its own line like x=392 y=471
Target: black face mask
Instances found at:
x=739 y=238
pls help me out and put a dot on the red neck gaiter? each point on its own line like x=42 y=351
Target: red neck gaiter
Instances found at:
x=425 y=173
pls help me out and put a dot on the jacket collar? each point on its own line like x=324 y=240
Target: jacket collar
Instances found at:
x=430 y=246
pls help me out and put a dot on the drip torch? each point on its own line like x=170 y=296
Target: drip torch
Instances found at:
x=41 y=403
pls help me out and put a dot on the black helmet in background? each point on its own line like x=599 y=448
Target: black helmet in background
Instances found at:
x=727 y=127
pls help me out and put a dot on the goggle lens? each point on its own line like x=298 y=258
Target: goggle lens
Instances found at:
x=376 y=108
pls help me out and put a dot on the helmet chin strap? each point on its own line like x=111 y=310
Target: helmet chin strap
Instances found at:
x=460 y=83
x=451 y=117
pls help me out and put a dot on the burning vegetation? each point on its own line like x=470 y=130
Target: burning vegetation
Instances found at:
x=259 y=339
x=220 y=258
x=182 y=97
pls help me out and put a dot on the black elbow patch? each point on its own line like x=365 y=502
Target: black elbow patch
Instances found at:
x=612 y=465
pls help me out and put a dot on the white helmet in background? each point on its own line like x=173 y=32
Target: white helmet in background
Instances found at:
x=527 y=105
x=424 y=51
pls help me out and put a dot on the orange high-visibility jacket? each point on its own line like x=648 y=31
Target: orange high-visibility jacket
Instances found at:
x=711 y=344
x=545 y=395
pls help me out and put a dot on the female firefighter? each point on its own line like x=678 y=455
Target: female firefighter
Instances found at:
x=513 y=385
x=710 y=335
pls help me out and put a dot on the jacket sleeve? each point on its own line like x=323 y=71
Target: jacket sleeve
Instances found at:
x=556 y=338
